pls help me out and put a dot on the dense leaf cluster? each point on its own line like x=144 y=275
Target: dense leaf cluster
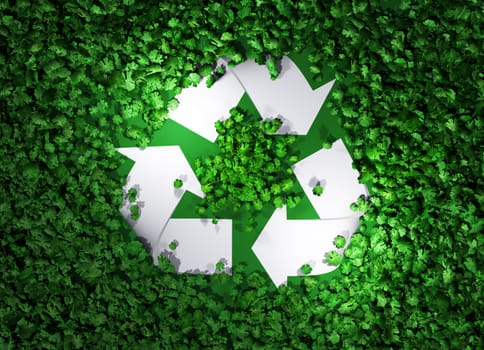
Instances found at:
x=74 y=73
x=253 y=167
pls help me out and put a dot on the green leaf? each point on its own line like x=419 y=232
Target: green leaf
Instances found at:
x=193 y=79
x=132 y=194
x=430 y=23
x=173 y=22
x=220 y=266
x=339 y=242
x=227 y=36
x=287 y=185
x=318 y=190
x=135 y=212
x=211 y=80
x=470 y=264
x=172 y=104
x=292 y=201
x=306 y=269
x=206 y=188
x=333 y=258
x=278 y=202
x=129 y=83
x=178 y=183
x=271 y=65
x=334 y=338
x=173 y=245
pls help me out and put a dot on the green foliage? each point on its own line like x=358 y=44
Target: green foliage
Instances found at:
x=74 y=75
x=210 y=80
x=318 y=190
x=271 y=65
x=292 y=201
x=192 y=79
x=306 y=269
x=219 y=71
x=132 y=194
x=333 y=258
x=213 y=75
x=220 y=266
x=251 y=169
x=165 y=265
x=178 y=183
x=361 y=205
x=173 y=245
x=134 y=212
x=339 y=242
x=270 y=126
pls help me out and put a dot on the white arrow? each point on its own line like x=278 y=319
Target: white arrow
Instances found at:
x=153 y=174
x=332 y=168
x=285 y=245
x=289 y=97
x=201 y=245
x=200 y=107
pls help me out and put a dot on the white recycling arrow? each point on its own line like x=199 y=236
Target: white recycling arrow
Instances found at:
x=200 y=107
x=332 y=168
x=153 y=174
x=201 y=244
x=289 y=97
x=285 y=245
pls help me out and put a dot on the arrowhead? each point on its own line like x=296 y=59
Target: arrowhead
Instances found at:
x=200 y=107
x=167 y=162
x=285 y=245
x=333 y=169
x=269 y=249
x=153 y=175
x=289 y=97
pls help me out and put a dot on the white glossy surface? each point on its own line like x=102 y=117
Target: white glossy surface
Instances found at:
x=289 y=97
x=201 y=244
x=333 y=169
x=153 y=174
x=200 y=107
x=285 y=245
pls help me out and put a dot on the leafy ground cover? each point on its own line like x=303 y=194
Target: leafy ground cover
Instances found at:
x=253 y=167
x=75 y=74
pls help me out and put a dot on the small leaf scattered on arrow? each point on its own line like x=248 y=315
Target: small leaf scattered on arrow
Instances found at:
x=153 y=174
x=332 y=170
x=285 y=245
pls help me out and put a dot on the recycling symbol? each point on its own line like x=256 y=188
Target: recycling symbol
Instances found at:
x=284 y=247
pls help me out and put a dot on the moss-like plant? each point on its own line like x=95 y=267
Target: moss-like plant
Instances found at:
x=253 y=167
